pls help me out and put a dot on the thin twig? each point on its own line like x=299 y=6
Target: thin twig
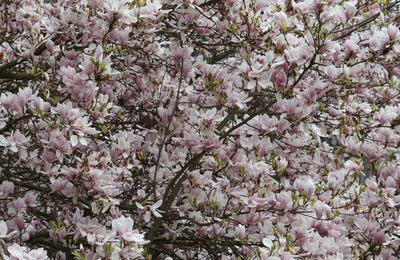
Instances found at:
x=167 y=130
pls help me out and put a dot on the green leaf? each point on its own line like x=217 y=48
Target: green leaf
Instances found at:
x=164 y=6
x=108 y=249
x=102 y=66
x=103 y=106
x=295 y=197
x=243 y=171
x=77 y=255
x=322 y=106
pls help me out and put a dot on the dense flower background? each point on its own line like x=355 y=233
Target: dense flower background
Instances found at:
x=199 y=129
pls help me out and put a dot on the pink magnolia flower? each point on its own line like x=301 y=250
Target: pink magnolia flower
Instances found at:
x=259 y=77
x=332 y=72
x=237 y=98
x=19 y=253
x=393 y=33
x=16 y=142
x=352 y=166
x=281 y=19
x=285 y=200
x=255 y=201
x=379 y=41
x=386 y=254
x=307 y=6
x=155 y=209
x=240 y=231
x=321 y=208
x=372 y=229
x=371 y=151
x=306 y=185
x=164 y=116
x=30 y=199
x=119 y=10
x=345 y=12
x=4 y=234
x=123 y=226
x=6 y=188
x=336 y=178
x=386 y=115
x=299 y=55
x=351 y=45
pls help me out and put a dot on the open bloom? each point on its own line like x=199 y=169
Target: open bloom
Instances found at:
x=119 y=9
x=306 y=185
x=123 y=226
x=378 y=41
x=19 y=252
x=3 y=229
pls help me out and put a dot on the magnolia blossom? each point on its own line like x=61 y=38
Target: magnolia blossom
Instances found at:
x=260 y=77
x=3 y=229
x=379 y=40
x=306 y=185
x=123 y=226
x=20 y=253
x=321 y=208
x=281 y=20
x=6 y=188
x=119 y=8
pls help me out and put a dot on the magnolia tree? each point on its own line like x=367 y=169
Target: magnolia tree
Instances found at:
x=199 y=129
